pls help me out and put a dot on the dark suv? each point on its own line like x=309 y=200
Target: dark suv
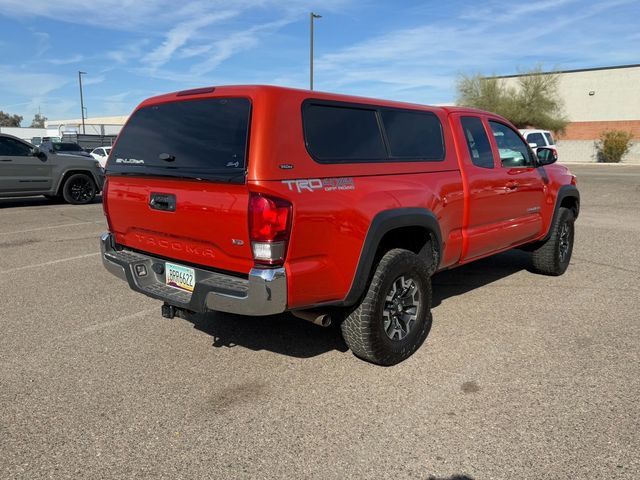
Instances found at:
x=26 y=170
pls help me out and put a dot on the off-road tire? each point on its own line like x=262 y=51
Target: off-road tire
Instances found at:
x=363 y=329
x=79 y=189
x=553 y=256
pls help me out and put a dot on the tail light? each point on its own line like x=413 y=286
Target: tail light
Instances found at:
x=269 y=228
x=105 y=203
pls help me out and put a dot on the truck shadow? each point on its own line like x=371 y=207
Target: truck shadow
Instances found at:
x=458 y=281
x=288 y=335
x=283 y=334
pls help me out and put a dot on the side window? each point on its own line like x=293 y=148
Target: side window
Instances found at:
x=9 y=146
x=5 y=150
x=477 y=142
x=549 y=138
x=336 y=134
x=413 y=135
x=513 y=151
x=536 y=138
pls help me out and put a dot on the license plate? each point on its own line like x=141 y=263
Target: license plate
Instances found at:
x=177 y=276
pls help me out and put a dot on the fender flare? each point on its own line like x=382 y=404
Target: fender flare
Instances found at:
x=381 y=224
x=565 y=191
x=63 y=177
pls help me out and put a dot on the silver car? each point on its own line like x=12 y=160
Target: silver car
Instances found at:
x=26 y=170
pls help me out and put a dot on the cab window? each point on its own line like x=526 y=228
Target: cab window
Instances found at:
x=477 y=142
x=513 y=151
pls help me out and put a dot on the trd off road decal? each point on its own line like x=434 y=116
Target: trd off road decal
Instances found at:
x=326 y=184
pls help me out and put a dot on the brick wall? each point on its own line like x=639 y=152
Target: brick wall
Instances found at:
x=592 y=130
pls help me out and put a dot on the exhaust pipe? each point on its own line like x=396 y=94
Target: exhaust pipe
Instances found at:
x=322 y=319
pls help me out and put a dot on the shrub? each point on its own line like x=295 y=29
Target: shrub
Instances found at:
x=613 y=145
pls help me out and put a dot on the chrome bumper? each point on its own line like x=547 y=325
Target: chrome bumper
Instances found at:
x=264 y=292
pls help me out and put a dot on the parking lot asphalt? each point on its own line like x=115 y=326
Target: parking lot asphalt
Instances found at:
x=522 y=376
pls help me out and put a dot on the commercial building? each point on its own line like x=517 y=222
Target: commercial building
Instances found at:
x=94 y=126
x=596 y=100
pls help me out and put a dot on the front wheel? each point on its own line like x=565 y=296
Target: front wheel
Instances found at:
x=553 y=256
x=79 y=189
x=394 y=318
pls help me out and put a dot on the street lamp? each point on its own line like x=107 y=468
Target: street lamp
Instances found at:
x=81 y=99
x=311 y=17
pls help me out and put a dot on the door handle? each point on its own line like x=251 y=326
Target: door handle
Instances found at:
x=163 y=201
x=512 y=185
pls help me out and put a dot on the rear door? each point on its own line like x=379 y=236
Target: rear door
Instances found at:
x=20 y=170
x=176 y=182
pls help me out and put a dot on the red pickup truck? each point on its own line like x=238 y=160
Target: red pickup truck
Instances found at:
x=258 y=200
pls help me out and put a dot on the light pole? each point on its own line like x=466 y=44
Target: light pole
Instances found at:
x=81 y=99
x=311 y=17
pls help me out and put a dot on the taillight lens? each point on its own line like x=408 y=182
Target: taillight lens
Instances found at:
x=105 y=204
x=269 y=228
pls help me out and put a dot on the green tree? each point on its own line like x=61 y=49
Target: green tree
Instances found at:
x=8 y=120
x=533 y=102
x=38 y=121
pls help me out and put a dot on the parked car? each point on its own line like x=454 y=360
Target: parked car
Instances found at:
x=37 y=141
x=67 y=148
x=26 y=171
x=101 y=154
x=539 y=138
x=259 y=200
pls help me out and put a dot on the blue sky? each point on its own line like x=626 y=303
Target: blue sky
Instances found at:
x=403 y=50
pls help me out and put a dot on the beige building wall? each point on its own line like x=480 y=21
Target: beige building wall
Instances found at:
x=611 y=94
x=608 y=94
x=115 y=120
x=597 y=100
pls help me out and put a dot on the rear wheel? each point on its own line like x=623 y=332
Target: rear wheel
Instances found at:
x=79 y=189
x=394 y=318
x=553 y=256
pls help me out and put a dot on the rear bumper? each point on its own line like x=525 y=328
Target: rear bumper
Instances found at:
x=264 y=292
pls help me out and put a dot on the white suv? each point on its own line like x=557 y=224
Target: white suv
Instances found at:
x=101 y=154
x=539 y=138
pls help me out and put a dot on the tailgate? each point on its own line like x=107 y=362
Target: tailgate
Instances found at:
x=176 y=182
x=208 y=227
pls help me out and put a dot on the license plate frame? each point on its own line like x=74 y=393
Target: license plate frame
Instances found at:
x=180 y=277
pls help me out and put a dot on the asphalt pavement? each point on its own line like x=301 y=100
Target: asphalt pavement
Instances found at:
x=522 y=376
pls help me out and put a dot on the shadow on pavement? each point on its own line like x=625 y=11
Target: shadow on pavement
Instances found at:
x=458 y=281
x=284 y=334
x=288 y=335
x=39 y=201
x=453 y=477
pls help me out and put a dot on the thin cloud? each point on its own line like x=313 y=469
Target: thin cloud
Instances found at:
x=42 y=42
x=29 y=84
x=181 y=34
x=422 y=63
x=67 y=60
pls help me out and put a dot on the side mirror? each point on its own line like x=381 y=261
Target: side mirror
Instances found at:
x=36 y=152
x=546 y=156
